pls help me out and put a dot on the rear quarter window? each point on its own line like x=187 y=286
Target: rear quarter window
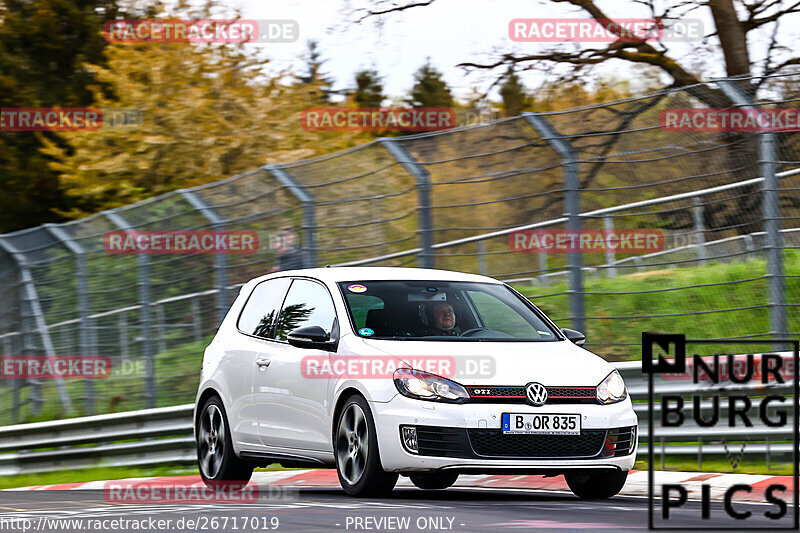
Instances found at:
x=261 y=309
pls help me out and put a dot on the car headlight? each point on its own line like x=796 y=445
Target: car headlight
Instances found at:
x=612 y=389
x=425 y=386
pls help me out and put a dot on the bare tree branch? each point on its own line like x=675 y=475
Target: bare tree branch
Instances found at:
x=394 y=9
x=788 y=62
x=754 y=22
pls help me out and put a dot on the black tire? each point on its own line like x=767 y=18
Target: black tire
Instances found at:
x=597 y=485
x=216 y=459
x=359 y=467
x=433 y=480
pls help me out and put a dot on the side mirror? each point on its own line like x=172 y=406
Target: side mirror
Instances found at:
x=311 y=337
x=575 y=336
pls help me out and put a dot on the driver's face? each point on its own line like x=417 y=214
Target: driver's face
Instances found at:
x=444 y=316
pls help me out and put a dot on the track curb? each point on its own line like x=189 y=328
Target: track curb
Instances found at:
x=636 y=485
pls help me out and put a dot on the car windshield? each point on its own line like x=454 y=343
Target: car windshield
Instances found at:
x=442 y=310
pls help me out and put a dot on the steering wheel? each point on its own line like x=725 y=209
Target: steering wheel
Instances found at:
x=471 y=331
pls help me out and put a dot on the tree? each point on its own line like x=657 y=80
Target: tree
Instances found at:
x=317 y=83
x=736 y=23
x=208 y=112
x=45 y=47
x=429 y=90
x=515 y=100
x=369 y=89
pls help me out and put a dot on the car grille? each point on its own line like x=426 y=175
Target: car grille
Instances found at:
x=493 y=443
x=477 y=443
x=517 y=394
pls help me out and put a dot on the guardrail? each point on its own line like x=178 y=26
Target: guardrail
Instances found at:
x=163 y=436
x=149 y=437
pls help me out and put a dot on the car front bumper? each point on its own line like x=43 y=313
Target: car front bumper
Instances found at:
x=460 y=418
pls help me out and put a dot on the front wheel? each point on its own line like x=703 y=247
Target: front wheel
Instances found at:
x=596 y=486
x=358 y=463
x=433 y=480
x=215 y=455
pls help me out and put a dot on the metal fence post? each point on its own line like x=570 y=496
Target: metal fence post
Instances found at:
x=483 y=270
x=699 y=229
x=84 y=333
x=309 y=212
x=423 y=179
x=197 y=321
x=161 y=326
x=8 y=349
x=572 y=203
x=749 y=245
x=220 y=260
x=144 y=302
x=544 y=279
x=700 y=453
x=124 y=345
x=31 y=297
x=611 y=256
x=773 y=240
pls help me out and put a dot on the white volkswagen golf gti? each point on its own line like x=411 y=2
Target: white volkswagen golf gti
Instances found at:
x=381 y=372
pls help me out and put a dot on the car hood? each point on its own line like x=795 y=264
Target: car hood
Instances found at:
x=500 y=363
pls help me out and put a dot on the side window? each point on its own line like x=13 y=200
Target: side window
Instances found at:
x=307 y=304
x=259 y=314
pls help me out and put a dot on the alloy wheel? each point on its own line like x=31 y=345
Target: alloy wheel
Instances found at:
x=352 y=441
x=211 y=441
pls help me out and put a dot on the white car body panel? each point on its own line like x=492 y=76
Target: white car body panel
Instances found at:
x=277 y=411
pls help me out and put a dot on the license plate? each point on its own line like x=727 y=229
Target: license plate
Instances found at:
x=541 y=424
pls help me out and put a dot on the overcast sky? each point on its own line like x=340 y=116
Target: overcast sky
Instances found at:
x=448 y=31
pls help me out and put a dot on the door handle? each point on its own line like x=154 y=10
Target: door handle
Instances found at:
x=263 y=363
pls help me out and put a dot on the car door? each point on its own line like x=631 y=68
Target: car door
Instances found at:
x=293 y=408
x=244 y=360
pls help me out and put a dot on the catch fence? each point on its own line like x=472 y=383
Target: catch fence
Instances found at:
x=726 y=202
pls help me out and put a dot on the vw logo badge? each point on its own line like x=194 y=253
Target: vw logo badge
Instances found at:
x=537 y=394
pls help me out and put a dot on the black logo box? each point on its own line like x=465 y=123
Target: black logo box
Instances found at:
x=680 y=342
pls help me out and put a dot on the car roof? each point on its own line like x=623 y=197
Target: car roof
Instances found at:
x=337 y=274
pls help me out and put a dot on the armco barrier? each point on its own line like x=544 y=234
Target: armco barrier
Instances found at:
x=163 y=436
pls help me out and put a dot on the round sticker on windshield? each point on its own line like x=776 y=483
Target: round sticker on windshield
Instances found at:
x=357 y=288
x=366 y=332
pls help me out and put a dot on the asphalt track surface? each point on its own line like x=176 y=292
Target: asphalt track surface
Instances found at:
x=330 y=510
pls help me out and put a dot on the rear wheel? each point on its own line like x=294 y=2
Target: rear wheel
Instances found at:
x=358 y=463
x=596 y=486
x=433 y=480
x=215 y=455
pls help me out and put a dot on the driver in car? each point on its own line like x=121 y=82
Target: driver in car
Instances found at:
x=444 y=320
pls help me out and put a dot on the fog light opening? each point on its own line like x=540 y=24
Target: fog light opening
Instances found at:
x=609 y=448
x=409 y=435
